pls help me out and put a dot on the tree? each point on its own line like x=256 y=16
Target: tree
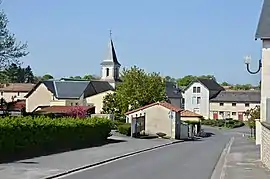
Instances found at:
x=47 y=77
x=10 y=50
x=28 y=75
x=88 y=77
x=253 y=114
x=170 y=79
x=241 y=87
x=12 y=73
x=225 y=83
x=137 y=89
x=186 y=80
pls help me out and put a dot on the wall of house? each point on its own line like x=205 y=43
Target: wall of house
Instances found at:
x=8 y=95
x=265 y=145
x=190 y=104
x=97 y=100
x=230 y=111
x=40 y=97
x=176 y=102
x=156 y=120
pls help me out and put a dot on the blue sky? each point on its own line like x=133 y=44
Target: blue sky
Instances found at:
x=174 y=37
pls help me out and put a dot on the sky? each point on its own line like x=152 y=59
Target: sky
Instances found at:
x=173 y=37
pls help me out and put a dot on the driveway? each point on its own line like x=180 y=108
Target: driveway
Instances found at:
x=188 y=160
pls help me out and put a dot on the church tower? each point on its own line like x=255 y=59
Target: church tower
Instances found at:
x=110 y=66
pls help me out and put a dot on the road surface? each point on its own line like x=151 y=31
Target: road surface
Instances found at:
x=188 y=160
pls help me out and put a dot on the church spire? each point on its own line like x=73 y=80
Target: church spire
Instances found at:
x=111 y=58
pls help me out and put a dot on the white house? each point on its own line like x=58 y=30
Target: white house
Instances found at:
x=197 y=96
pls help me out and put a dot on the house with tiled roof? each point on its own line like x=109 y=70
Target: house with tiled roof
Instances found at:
x=233 y=104
x=161 y=117
x=15 y=91
x=198 y=93
x=66 y=92
x=174 y=94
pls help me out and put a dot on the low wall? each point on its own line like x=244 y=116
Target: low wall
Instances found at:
x=265 y=144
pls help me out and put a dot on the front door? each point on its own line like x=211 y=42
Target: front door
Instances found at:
x=215 y=115
x=240 y=116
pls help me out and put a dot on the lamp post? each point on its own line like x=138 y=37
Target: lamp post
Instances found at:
x=248 y=61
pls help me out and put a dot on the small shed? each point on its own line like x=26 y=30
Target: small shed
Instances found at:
x=194 y=121
x=155 y=118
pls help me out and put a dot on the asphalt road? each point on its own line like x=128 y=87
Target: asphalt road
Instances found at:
x=188 y=160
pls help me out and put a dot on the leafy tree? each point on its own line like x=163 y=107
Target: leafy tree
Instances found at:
x=12 y=73
x=186 y=80
x=225 y=83
x=170 y=79
x=252 y=115
x=88 y=77
x=241 y=87
x=47 y=77
x=137 y=89
x=10 y=50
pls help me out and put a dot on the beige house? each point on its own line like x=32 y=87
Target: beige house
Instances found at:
x=233 y=104
x=154 y=118
x=15 y=91
x=67 y=93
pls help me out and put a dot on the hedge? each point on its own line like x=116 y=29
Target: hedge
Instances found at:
x=221 y=123
x=24 y=137
x=124 y=129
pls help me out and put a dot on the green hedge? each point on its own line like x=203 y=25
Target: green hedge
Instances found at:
x=117 y=123
x=124 y=129
x=23 y=137
x=221 y=123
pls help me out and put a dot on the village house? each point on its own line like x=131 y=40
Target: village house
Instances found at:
x=15 y=91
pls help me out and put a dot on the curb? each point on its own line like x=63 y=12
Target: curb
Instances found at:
x=219 y=169
x=111 y=159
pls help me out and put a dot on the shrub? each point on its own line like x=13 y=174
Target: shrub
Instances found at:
x=116 y=123
x=222 y=123
x=124 y=129
x=34 y=136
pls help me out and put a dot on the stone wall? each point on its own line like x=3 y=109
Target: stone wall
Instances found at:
x=265 y=144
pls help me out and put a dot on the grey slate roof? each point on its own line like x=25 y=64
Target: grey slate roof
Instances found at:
x=172 y=91
x=238 y=97
x=263 y=28
x=111 y=58
x=74 y=89
x=213 y=87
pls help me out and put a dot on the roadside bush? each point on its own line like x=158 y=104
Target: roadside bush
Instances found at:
x=23 y=137
x=221 y=123
x=124 y=129
x=117 y=123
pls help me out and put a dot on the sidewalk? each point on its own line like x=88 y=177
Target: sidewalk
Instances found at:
x=243 y=161
x=42 y=167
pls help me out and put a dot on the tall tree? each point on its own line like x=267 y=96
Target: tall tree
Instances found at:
x=137 y=89
x=28 y=75
x=88 y=77
x=10 y=50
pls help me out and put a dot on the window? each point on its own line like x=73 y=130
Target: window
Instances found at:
x=221 y=113
x=18 y=94
x=76 y=104
x=233 y=104
x=193 y=100
x=107 y=71
x=196 y=110
x=2 y=93
x=233 y=113
x=198 y=89
x=194 y=89
x=71 y=104
x=198 y=100
x=247 y=105
x=221 y=104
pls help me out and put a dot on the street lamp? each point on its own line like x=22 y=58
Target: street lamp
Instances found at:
x=248 y=61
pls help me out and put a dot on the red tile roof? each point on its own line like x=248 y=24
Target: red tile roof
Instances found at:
x=164 y=104
x=187 y=113
x=15 y=106
x=63 y=109
x=17 y=87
